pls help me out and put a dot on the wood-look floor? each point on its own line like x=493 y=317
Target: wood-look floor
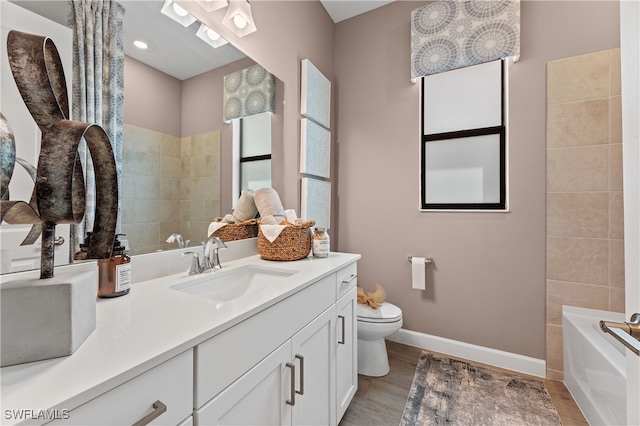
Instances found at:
x=380 y=400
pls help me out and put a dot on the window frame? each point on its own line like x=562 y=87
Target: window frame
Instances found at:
x=500 y=130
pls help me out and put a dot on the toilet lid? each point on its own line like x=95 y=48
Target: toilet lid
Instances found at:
x=386 y=312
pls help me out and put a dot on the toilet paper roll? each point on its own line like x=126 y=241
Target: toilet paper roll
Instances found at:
x=417 y=273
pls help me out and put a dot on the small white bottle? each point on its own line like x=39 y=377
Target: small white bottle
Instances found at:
x=321 y=245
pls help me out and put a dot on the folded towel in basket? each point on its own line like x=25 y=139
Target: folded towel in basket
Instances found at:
x=271 y=232
x=246 y=208
x=269 y=204
x=214 y=226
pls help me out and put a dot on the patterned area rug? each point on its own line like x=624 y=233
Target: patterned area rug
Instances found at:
x=452 y=392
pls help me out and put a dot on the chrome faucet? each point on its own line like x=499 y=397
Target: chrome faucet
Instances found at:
x=211 y=252
x=210 y=260
x=178 y=238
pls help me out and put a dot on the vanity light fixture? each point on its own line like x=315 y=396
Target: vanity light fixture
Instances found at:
x=177 y=13
x=239 y=19
x=210 y=37
x=140 y=44
x=211 y=5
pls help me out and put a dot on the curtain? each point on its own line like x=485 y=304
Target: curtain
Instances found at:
x=451 y=34
x=97 y=87
x=247 y=92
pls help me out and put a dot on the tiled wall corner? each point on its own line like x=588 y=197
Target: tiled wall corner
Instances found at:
x=167 y=183
x=585 y=247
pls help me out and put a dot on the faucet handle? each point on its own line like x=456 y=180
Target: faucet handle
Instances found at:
x=195 y=262
x=218 y=242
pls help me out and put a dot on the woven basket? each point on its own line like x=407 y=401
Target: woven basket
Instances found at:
x=293 y=243
x=236 y=231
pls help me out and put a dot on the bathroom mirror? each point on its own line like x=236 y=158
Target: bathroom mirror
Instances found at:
x=178 y=158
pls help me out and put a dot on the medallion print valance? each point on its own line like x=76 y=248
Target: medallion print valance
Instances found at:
x=248 y=92
x=450 y=34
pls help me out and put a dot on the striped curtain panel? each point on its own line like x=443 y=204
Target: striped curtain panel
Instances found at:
x=98 y=87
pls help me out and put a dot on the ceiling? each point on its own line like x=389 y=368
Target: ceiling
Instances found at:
x=339 y=10
x=173 y=49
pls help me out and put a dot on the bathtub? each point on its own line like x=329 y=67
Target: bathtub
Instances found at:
x=594 y=366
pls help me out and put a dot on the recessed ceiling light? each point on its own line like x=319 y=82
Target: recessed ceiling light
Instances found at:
x=140 y=44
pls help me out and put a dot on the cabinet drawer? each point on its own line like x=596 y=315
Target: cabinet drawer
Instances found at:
x=223 y=358
x=347 y=279
x=170 y=383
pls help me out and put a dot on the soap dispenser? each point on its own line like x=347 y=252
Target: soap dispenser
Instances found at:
x=114 y=274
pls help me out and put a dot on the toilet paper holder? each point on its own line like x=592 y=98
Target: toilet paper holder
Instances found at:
x=427 y=260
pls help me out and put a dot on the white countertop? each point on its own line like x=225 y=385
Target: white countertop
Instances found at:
x=138 y=331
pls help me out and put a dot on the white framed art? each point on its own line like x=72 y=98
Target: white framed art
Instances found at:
x=316 y=201
x=315 y=97
x=315 y=149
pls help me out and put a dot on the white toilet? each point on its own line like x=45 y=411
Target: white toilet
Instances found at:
x=373 y=326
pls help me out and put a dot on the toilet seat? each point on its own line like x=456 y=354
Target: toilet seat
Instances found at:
x=385 y=313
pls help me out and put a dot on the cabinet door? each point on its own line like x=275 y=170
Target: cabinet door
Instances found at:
x=313 y=353
x=347 y=355
x=257 y=398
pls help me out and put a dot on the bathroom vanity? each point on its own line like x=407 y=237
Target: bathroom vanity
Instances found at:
x=275 y=345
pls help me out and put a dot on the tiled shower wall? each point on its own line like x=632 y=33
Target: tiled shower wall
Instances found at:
x=585 y=248
x=169 y=185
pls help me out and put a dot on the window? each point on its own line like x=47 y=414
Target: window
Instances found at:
x=463 y=147
x=254 y=148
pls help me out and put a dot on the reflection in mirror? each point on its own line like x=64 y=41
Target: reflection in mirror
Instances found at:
x=174 y=137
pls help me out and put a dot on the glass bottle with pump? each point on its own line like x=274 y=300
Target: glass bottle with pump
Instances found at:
x=114 y=274
x=320 y=246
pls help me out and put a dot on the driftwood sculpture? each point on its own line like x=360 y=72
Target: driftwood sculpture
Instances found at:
x=59 y=194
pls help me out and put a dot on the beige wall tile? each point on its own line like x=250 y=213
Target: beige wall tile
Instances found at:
x=197 y=211
x=616 y=215
x=169 y=189
x=212 y=164
x=578 y=78
x=554 y=348
x=615 y=119
x=128 y=209
x=128 y=187
x=572 y=294
x=185 y=147
x=578 y=123
x=580 y=214
x=578 y=169
x=171 y=146
x=185 y=210
x=199 y=167
x=616 y=263
x=185 y=230
x=615 y=167
x=187 y=168
x=146 y=211
x=169 y=211
x=148 y=141
x=147 y=187
x=147 y=234
x=614 y=67
x=212 y=207
x=578 y=260
x=617 y=300
x=147 y=164
x=170 y=166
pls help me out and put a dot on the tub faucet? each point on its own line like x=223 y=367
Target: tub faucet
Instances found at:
x=178 y=238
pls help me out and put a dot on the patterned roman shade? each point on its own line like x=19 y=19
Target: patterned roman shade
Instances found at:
x=247 y=92
x=450 y=34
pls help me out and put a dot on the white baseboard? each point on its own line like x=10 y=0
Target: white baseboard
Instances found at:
x=506 y=360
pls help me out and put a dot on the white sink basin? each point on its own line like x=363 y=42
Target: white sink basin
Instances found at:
x=229 y=284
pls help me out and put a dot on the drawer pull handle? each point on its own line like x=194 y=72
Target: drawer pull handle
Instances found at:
x=158 y=409
x=351 y=278
x=292 y=401
x=301 y=358
x=341 y=341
